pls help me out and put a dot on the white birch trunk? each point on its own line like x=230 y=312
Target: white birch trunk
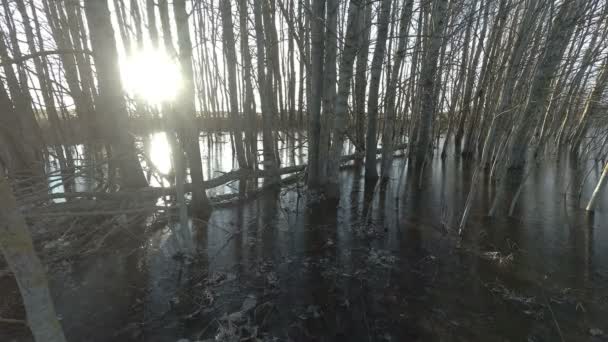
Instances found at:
x=598 y=189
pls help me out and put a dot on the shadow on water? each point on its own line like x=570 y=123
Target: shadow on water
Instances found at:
x=385 y=265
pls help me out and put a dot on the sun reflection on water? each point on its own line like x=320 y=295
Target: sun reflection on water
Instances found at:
x=160 y=152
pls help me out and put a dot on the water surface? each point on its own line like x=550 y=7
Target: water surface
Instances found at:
x=385 y=265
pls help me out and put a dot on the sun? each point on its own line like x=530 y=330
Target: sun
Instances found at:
x=152 y=76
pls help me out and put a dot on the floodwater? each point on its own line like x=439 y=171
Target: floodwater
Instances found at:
x=386 y=265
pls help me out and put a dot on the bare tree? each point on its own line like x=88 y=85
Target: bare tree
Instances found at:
x=189 y=132
x=316 y=83
x=559 y=37
x=391 y=90
x=111 y=101
x=230 y=52
x=18 y=250
x=374 y=86
x=349 y=53
x=427 y=82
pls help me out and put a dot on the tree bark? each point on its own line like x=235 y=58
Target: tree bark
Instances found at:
x=340 y=122
x=591 y=107
x=316 y=91
x=189 y=131
x=265 y=83
x=427 y=83
x=111 y=102
x=19 y=253
x=248 y=105
x=391 y=90
x=329 y=86
x=361 y=79
x=374 y=87
x=230 y=52
x=598 y=189
x=558 y=40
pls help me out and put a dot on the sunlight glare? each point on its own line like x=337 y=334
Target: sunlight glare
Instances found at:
x=151 y=75
x=160 y=152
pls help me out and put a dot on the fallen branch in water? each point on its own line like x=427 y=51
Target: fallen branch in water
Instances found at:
x=152 y=192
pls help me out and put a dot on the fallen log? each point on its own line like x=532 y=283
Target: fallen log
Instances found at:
x=158 y=191
x=151 y=192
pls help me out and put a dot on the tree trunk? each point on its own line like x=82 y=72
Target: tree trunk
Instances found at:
x=314 y=104
x=374 y=87
x=591 y=107
x=361 y=80
x=22 y=120
x=248 y=105
x=465 y=75
x=18 y=158
x=558 y=40
x=111 y=102
x=186 y=110
x=598 y=189
x=504 y=108
x=427 y=83
x=152 y=30
x=340 y=122
x=20 y=255
x=391 y=91
x=329 y=86
x=47 y=93
x=265 y=82
x=230 y=52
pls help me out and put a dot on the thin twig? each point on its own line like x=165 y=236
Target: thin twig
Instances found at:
x=12 y=321
x=559 y=330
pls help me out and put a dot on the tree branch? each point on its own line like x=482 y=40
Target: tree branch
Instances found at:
x=24 y=58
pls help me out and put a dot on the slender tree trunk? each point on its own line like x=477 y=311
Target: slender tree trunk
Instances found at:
x=391 y=91
x=83 y=62
x=465 y=75
x=20 y=255
x=267 y=100
x=504 y=108
x=248 y=106
x=47 y=94
x=486 y=76
x=591 y=107
x=291 y=86
x=340 y=122
x=152 y=30
x=468 y=93
x=187 y=112
x=374 y=88
x=361 y=80
x=111 y=102
x=23 y=119
x=316 y=91
x=557 y=42
x=230 y=52
x=598 y=189
x=427 y=83
x=329 y=85
x=18 y=158
x=61 y=33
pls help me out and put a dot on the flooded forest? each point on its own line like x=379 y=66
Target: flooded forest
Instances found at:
x=303 y=170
